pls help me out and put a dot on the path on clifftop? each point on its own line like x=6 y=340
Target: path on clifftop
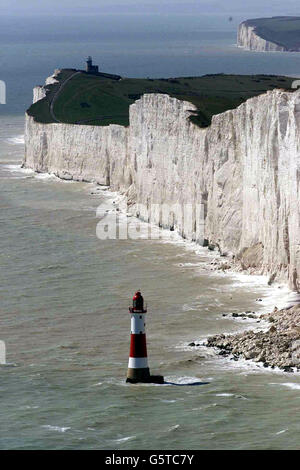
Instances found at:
x=61 y=87
x=100 y=117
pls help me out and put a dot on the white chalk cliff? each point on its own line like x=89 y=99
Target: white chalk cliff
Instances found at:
x=249 y=39
x=39 y=92
x=245 y=168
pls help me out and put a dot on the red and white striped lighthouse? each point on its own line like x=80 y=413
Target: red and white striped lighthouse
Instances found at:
x=138 y=369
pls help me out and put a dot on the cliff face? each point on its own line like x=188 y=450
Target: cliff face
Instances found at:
x=82 y=153
x=244 y=169
x=248 y=39
x=39 y=92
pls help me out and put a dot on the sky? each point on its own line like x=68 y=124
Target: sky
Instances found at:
x=248 y=8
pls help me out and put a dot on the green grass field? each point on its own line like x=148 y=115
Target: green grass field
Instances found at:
x=283 y=30
x=94 y=100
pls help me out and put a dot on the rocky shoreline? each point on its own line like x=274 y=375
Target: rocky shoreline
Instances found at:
x=279 y=346
x=247 y=261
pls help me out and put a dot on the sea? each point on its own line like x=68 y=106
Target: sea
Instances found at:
x=64 y=293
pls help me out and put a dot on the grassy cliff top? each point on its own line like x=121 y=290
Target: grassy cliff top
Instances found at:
x=282 y=30
x=81 y=98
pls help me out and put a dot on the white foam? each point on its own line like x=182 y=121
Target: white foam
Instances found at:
x=168 y=401
x=244 y=366
x=56 y=428
x=47 y=177
x=281 y=432
x=184 y=380
x=231 y=395
x=14 y=168
x=191 y=265
x=173 y=428
x=291 y=385
x=28 y=407
x=125 y=439
x=17 y=168
x=17 y=140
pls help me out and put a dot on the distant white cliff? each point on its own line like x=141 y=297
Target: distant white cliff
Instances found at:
x=244 y=168
x=250 y=40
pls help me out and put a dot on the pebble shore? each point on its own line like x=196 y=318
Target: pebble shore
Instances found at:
x=279 y=346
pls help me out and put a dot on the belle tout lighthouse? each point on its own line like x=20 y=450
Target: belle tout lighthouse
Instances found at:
x=138 y=369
